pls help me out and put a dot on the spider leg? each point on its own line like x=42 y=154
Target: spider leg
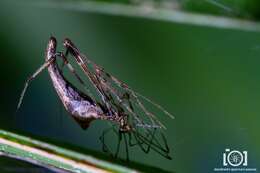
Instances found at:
x=73 y=71
x=126 y=147
x=150 y=144
x=105 y=148
x=118 y=144
x=33 y=76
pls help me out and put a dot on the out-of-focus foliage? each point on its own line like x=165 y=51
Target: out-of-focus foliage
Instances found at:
x=219 y=7
x=238 y=8
x=249 y=9
x=254 y=7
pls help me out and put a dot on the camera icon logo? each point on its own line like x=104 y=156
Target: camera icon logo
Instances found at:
x=234 y=158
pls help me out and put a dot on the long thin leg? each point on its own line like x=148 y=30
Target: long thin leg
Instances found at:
x=123 y=85
x=99 y=72
x=152 y=140
x=102 y=139
x=102 y=74
x=149 y=141
x=129 y=109
x=130 y=142
x=151 y=145
x=73 y=71
x=85 y=69
x=165 y=143
x=135 y=96
x=105 y=148
x=126 y=147
x=92 y=77
x=38 y=71
x=141 y=141
x=118 y=144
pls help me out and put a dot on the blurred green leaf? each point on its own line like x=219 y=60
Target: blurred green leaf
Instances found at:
x=51 y=156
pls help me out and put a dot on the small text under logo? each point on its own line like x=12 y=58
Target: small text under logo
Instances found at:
x=235 y=160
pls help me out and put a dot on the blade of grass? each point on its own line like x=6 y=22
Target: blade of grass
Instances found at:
x=149 y=12
x=53 y=157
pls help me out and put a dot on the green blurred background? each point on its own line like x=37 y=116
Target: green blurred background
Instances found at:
x=208 y=76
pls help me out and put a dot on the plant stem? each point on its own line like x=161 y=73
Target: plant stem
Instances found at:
x=53 y=157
